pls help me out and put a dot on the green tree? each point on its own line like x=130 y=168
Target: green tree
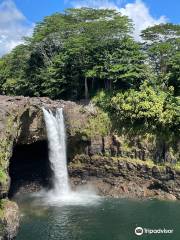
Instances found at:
x=120 y=65
x=81 y=32
x=162 y=43
x=173 y=69
x=12 y=71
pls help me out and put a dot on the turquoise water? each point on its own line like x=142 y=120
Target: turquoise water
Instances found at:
x=106 y=219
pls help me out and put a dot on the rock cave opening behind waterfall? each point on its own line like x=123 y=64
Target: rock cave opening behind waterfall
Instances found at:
x=29 y=168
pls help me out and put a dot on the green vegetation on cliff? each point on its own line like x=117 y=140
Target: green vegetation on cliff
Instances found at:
x=151 y=108
x=98 y=124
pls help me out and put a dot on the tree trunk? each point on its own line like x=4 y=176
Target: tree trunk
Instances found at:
x=86 y=89
x=92 y=84
x=110 y=85
x=106 y=84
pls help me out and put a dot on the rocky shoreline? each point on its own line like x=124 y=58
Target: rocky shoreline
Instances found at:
x=117 y=177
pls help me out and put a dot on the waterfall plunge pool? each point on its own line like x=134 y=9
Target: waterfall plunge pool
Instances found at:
x=105 y=219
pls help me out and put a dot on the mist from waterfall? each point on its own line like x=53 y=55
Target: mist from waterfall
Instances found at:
x=57 y=150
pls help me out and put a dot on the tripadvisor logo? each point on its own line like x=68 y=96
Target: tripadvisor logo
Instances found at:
x=140 y=231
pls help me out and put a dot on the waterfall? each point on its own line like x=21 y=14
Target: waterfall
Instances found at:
x=61 y=192
x=57 y=150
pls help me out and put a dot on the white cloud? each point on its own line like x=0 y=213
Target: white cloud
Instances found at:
x=141 y=16
x=137 y=11
x=94 y=4
x=13 y=26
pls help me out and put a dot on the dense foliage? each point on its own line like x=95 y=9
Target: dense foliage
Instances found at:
x=74 y=54
x=154 y=109
x=85 y=53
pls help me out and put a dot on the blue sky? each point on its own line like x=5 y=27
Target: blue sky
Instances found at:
x=18 y=17
x=35 y=10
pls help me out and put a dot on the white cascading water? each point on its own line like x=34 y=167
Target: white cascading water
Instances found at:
x=61 y=192
x=57 y=150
